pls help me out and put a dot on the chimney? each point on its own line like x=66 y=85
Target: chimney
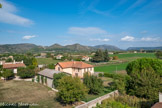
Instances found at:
x=22 y=61
x=14 y=62
x=160 y=97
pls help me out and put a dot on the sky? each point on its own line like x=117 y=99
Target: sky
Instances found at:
x=123 y=23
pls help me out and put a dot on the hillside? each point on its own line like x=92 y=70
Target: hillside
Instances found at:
x=108 y=47
x=26 y=47
x=145 y=48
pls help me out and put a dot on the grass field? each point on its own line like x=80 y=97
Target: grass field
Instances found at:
x=28 y=92
x=111 y=68
x=46 y=61
x=130 y=55
x=120 y=67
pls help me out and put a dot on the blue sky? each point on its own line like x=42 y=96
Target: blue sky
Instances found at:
x=123 y=23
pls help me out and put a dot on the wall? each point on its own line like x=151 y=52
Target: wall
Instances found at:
x=93 y=103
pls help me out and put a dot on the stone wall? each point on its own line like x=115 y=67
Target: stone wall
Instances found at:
x=98 y=100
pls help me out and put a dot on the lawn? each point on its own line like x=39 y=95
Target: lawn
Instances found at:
x=28 y=92
x=47 y=61
x=111 y=68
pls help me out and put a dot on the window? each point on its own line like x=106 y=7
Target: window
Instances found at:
x=58 y=68
x=76 y=74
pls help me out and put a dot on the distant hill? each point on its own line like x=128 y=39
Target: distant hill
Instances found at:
x=19 y=48
x=145 y=48
x=26 y=47
x=108 y=47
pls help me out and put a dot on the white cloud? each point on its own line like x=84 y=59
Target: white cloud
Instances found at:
x=86 y=31
x=7 y=15
x=27 y=37
x=101 y=40
x=149 y=39
x=127 y=38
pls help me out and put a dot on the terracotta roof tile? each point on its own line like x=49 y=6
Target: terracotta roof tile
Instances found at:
x=6 y=66
x=74 y=64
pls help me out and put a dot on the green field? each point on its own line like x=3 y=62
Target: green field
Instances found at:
x=47 y=61
x=111 y=68
x=120 y=67
x=129 y=55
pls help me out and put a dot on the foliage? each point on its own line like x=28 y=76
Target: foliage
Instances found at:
x=100 y=56
x=25 y=72
x=38 y=78
x=42 y=79
x=7 y=73
x=9 y=60
x=0 y=5
x=56 y=78
x=115 y=58
x=45 y=80
x=145 y=80
x=71 y=89
x=94 y=84
x=34 y=62
x=51 y=66
x=32 y=79
x=159 y=54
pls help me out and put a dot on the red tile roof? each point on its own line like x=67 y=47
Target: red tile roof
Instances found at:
x=16 y=65
x=74 y=64
x=157 y=105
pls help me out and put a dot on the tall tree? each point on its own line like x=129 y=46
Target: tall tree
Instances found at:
x=98 y=57
x=71 y=89
x=106 y=56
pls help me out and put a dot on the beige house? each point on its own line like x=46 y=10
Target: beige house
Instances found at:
x=86 y=58
x=75 y=68
x=58 y=57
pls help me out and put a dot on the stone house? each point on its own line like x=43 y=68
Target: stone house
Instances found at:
x=74 y=68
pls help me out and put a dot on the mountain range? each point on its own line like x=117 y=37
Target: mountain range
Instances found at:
x=27 y=47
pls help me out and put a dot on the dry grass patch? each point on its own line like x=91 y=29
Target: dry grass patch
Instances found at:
x=28 y=92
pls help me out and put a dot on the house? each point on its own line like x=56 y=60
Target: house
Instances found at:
x=158 y=104
x=48 y=75
x=110 y=53
x=86 y=58
x=75 y=68
x=13 y=65
x=58 y=57
x=135 y=51
x=43 y=55
x=2 y=62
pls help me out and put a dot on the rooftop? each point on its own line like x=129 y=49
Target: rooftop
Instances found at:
x=13 y=65
x=74 y=64
x=48 y=72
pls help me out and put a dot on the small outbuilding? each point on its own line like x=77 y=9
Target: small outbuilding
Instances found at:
x=47 y=74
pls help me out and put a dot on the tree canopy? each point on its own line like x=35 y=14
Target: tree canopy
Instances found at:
x=56 y=78
x=94 y=84
x=25 y=72
x=145 y=78
x=7 y=73
x=71 y=89
x=101 y=56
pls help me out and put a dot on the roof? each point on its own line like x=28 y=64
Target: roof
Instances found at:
x=74 y=64
x=48 y=72
x=157 y=105
x=16 y=65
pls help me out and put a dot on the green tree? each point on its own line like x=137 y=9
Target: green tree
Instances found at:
x=34 y=62
x=57 y=77
x=25 y=72
x=98 y=57
x=71 y=89
x=159 y=54
x=145 y=80
x=94 y=84
x=7 y=73
x=106 y=56
x=51 y=66
x=9 y=60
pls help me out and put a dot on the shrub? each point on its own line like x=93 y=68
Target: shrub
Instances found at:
x=56 y=78
x=71 y=89
x=46 y=80
x=94 y=84
x=38 y=78
x=32 y=79
x=115 y=58
x=42 y=79
x=25 y=72
x=100 y=74
x=7 y=73
x=51 y=66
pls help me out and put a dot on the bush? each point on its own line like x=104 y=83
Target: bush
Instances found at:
x=56 y=78
x=51 y=66
x=94 y=84
x=100 y=74
x=32 y=79
x=115 y=58
x=145 y=80
x=71 y=89
x=25 y=72
x=42 y=79
x=46 y=80
x=38 y=78
x=7 y=73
